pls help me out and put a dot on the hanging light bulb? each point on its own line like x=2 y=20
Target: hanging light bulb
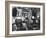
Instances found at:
x=32 y=17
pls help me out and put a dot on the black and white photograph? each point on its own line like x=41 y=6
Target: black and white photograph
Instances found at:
x=25 y=18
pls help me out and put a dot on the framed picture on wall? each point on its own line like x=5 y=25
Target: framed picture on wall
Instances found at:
x=24 y=18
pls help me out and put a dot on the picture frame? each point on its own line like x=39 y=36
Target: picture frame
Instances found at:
x=9 y=5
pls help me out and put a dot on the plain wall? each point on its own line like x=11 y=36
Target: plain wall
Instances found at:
x=2 y=18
